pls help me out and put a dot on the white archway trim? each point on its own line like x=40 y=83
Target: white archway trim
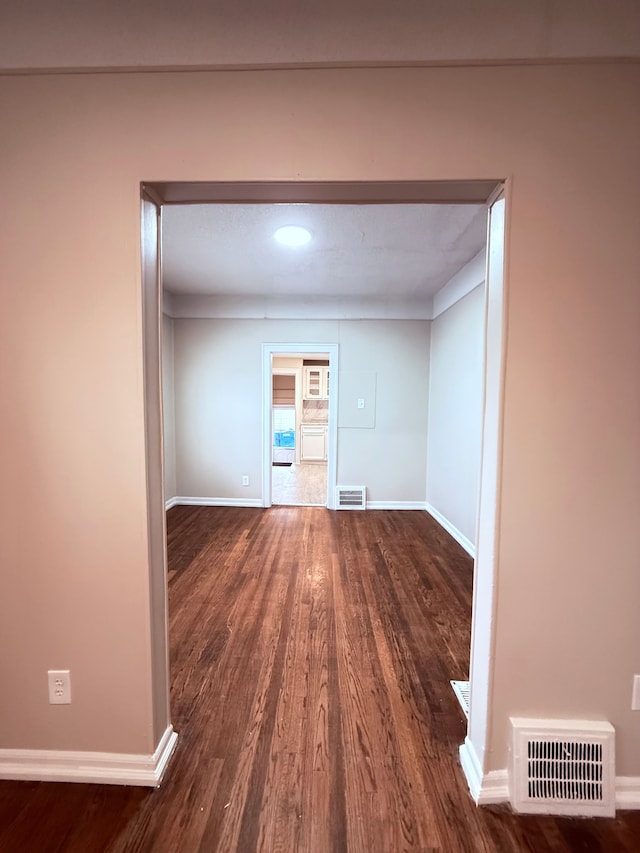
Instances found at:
x=488 y=787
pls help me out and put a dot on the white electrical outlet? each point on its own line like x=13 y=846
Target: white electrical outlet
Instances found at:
x=245 y=480
x=59 y=687
x=635 y=694
x=360 y=403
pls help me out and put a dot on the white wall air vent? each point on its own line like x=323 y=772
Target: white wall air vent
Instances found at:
x=351 y=497
x=563 y=767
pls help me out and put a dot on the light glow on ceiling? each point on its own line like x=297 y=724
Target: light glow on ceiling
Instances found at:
x=293 y=235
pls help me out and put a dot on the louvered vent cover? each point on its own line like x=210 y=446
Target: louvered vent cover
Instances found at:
x=351 y=497
x=563 y=767
x=463 y=695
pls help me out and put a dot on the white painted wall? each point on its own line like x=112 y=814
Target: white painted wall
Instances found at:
x=385 y=458
x=455 y=412
x=168 y=400
x=219 y=404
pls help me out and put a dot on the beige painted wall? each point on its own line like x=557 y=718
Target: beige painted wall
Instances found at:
x=168 y=399
x=67 y=34
x=218 y=375
x=75 y=561
x=455 y=412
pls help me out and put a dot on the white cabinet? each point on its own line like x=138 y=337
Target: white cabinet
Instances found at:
x=316 y=383
x=313 y=447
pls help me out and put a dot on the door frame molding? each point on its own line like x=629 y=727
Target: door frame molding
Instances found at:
x=488 y=786
x=291 y=350
x=151 y=293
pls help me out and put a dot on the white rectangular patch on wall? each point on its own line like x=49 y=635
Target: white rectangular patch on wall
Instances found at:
x=563 y=767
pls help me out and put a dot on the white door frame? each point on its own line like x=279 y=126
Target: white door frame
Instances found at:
x=292 y=349
x=487 y=787
x=151 y=272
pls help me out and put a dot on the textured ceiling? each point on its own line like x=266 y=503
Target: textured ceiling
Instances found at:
x=369 y=251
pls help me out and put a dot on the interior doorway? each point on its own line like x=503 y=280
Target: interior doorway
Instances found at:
x=299 y=429
x=299 y=423
x=452 y=192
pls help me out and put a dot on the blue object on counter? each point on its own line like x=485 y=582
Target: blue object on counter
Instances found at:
x=284 y=438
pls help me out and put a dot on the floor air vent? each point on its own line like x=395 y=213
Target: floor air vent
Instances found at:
x=351 y=497
x=563 y=767
x=463 y=695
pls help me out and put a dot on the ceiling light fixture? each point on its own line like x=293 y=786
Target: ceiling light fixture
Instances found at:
x=292 y=235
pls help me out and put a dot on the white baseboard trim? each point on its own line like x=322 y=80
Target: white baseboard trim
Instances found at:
x=485 y=788
x=171 y=502
x=395 y=505
x=188 y=501
x=628 y=792
x=460 y=538
x=103 y=768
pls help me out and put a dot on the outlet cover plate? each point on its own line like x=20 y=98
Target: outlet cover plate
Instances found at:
x=59 y=686
x=635 y=695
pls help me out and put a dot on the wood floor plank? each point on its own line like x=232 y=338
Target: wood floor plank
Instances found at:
x=372 y=737
x=311 y=653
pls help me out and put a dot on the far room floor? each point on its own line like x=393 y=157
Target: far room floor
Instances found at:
x=299 y=484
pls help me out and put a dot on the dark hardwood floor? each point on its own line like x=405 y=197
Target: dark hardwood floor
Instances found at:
x=311 y=653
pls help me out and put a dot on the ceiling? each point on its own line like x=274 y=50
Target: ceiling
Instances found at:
x=366 y=251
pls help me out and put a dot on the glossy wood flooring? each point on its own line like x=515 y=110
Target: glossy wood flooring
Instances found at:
x=311 y=654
